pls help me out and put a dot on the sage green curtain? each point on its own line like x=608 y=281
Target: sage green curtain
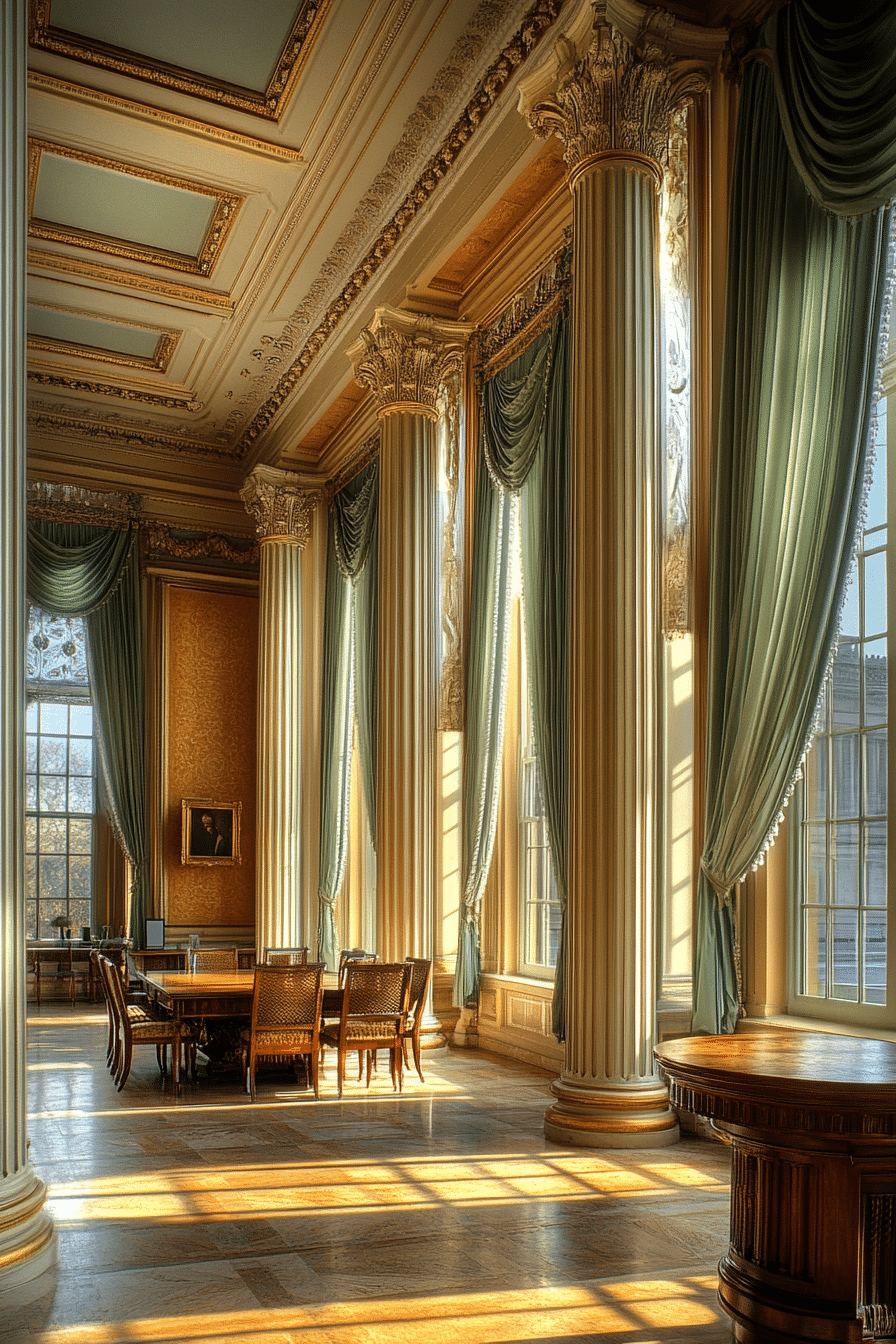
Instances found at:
x=74 y=570
x=524 y=449
x=805 y=298
x=348 y=684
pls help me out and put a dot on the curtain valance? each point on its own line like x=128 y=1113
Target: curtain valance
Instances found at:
x=73 y=569
x=836 y=86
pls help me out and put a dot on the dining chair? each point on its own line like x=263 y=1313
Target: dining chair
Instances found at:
x=134 y=1025
x=214 y=959
x=421 y=971
x=374 y=1008
x=286 y=1004
x=285 y=956
x=350 y=954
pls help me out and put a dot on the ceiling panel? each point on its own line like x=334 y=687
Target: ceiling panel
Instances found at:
x=93 y=202
x=88 y=336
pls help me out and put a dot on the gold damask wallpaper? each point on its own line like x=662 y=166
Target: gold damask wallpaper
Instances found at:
x=210 y=694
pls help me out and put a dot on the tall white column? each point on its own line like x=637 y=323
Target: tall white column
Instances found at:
x=282 y=506
x=404 y=358
x=27 y=1236
x=611 y=109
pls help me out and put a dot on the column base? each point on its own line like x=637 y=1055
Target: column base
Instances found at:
x=432 y=1034
x=28 y=1244
x=626 y=1116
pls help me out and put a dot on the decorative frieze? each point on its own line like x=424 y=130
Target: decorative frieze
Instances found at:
x=57 y=503
x=405 y=359
x=160 y=540
x=281 y=504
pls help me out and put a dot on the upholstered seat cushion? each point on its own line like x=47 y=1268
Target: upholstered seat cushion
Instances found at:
x=154 y=1031
x=274 y=1037
x=362 y=1029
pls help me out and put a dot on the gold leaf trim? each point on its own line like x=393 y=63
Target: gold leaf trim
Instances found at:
x=161 y=542
x=535 y=24
x=94 y=389
x=124 y=436
x=269 y=103
x=91 y=270
x=227 y=207
x=368 y=451
x=159 y=360
x=57 y=503
x=188 y=125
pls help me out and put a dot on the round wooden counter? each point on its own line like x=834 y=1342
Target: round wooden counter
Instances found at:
x=811 y=1118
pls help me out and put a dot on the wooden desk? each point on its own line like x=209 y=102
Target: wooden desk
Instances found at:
x=68 y=961
x=189 y=996
x=812 y=1123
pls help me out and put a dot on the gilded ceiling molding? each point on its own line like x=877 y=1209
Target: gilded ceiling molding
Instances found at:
x=158 y=361
x=405 y=359
x=366 y=453
x=227 y=206
x=248 y=144
x=160 y=541
x=536 y=22
x=528 y=313
x=149 y=284
x=269 y=103
x=120 y=433
x=145 y=398
x=281 y=504
x=55 y=503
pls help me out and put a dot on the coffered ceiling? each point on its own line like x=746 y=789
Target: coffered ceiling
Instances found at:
x=220 y=194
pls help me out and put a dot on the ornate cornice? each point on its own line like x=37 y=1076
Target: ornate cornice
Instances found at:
x=161 y=541
x=269 y=103
x=121 y=433
x=405 y=358
x=365 y=454
x=43 y=378
x=227 y=205
x=527 y=314
x=536 y=22
x=617 y=99
x=57 y=503
x=281 y=504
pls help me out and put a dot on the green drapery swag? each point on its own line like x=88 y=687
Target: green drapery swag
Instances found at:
x=806 y=291
x=75 y=570
x=524 y=451
x=349 y=684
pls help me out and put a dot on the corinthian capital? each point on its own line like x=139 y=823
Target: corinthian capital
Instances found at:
x=281 y=504
x=404 y=358
x=617 y=94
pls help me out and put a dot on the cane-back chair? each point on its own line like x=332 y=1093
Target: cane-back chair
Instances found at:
x=351 y=954
x=214 y=959
x=421 y=970
x=135 y=1025
x=374 y=1008
x=286 y=1005
x=285 y=956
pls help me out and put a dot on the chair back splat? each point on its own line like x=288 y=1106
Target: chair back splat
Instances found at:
x=286 y=1008
x=214 y=959
x=374 y=1011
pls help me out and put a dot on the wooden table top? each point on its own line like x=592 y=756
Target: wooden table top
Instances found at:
x=224 y=983
x=801 y=1079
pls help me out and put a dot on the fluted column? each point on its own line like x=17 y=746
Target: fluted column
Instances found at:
x=611 y=108
x=27 y=1236
x=404 y=358
x=282 y=506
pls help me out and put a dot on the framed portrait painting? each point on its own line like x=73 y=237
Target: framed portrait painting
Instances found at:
x=210 y=831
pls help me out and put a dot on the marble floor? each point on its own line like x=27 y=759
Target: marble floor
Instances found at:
x=438 y=1215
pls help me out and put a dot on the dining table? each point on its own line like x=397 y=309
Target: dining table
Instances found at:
x=202 y=996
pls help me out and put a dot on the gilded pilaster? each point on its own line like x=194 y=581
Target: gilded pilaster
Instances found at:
x=405 y=359
x=282 y=506
x=27 y=1236
x=611 y=103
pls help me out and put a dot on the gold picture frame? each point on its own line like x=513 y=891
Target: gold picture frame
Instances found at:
x=210 y=832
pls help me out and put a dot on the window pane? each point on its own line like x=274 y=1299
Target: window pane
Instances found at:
x=52 y=874
x=31 y=753
x=845 y=925
x=874 y=948
x=52 y=835
x=815 y=953
x=816 y=865
x=53 y=718
x=80 y=795
x=81 y=756
x=815 y=772
x=82 y=720
x=845 y=775
x=845 y=687
x=875 y=594
x=79 y=877
x=845 y=865
x=53 y=755
x=876 y=773
x=80 y=837
x=30 y=835
x=849 y=620
x=52 y=793
x=875 y=674
x=876 y=863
